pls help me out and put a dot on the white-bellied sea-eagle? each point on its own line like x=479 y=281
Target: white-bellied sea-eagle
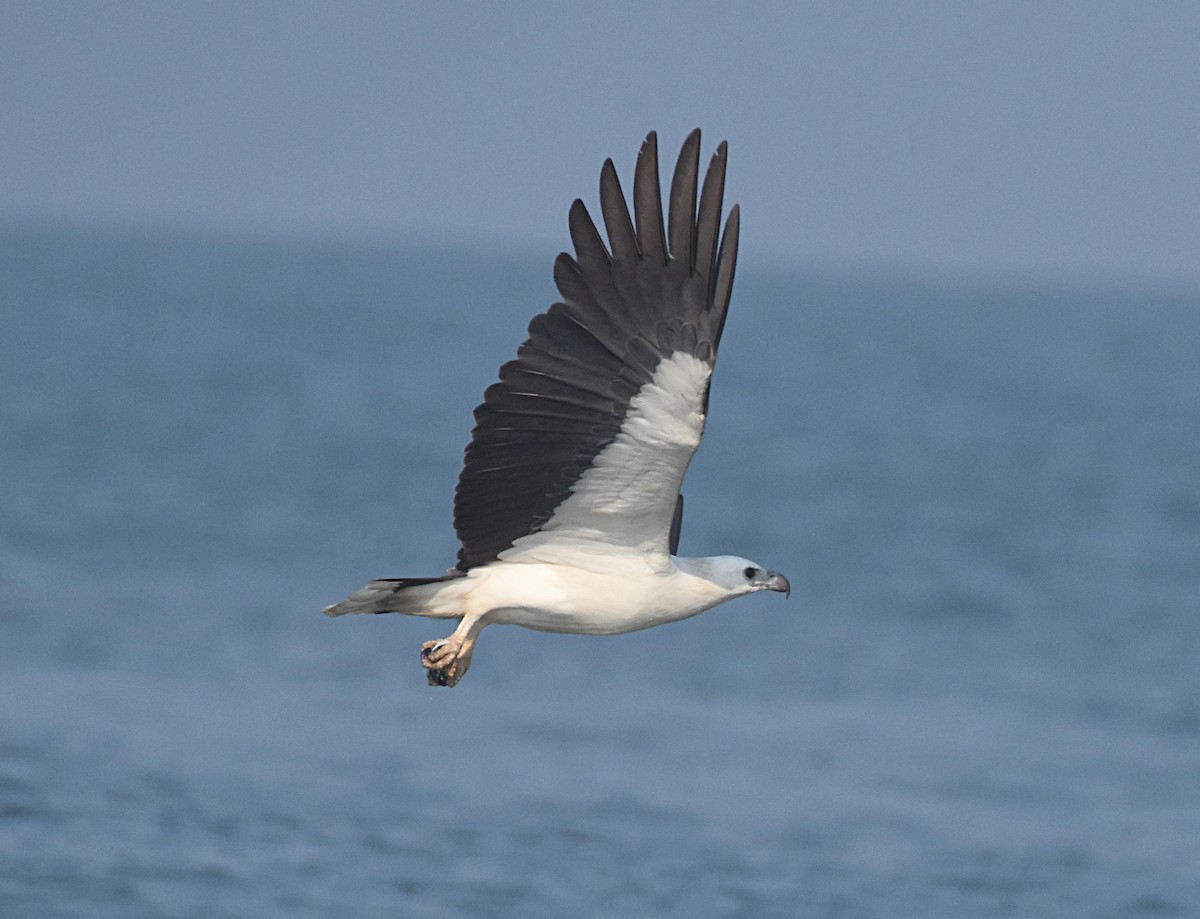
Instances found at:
x=568 y=506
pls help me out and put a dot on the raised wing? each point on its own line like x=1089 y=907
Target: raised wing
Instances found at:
x=588 y=433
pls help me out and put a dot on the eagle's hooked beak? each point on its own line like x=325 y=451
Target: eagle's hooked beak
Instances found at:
x=777 y=582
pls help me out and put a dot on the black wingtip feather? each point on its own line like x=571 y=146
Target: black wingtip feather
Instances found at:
x=621 y=236
x=647 y=203
x=708 y=219
x=681 y=221
x=726 y=264
x=589 y=247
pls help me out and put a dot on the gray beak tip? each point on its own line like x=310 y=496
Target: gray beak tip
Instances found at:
x=780 y=584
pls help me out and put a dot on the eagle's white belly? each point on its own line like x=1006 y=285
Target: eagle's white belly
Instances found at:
x=629 y=594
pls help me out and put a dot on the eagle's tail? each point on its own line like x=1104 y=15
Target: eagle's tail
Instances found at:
x=392 y=595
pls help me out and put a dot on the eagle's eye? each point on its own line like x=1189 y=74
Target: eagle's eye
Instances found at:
x=749 y=574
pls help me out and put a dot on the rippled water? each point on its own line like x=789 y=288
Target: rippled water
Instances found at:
x=982 y=699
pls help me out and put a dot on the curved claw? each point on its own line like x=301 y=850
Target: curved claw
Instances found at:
x=446 y=659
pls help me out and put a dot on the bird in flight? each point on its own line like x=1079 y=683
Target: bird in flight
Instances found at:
x=568 y=506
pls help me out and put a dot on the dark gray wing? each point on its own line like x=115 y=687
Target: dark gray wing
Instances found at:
x=658 y=289
x=676 y=527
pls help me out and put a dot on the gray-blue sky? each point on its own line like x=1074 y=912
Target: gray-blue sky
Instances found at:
x=1037 y=138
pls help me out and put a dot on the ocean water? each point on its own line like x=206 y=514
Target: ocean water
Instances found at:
x=981 y=699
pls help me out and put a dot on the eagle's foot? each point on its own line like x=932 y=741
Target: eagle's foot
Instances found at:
x=446 y=659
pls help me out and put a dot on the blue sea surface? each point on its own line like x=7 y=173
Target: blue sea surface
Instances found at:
x=982 y=698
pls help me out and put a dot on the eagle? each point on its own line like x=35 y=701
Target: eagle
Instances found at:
x=568 y=506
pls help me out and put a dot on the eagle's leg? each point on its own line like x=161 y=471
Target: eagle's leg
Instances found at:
x=448 y=659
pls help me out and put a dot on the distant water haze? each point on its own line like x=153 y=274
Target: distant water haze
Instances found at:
x=1020 y=139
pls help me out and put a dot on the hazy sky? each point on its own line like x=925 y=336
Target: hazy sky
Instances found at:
x=1022 y=138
